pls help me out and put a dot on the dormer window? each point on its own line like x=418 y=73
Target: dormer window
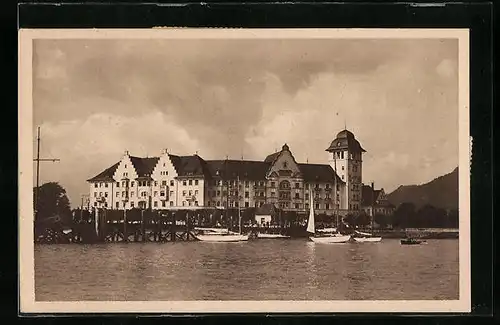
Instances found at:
x=285 y=164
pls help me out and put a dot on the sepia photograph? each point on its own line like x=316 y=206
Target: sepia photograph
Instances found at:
x=244 y=170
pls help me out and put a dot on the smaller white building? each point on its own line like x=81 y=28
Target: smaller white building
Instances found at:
x=265 y=214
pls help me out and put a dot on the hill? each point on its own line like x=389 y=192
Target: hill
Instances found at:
x=441 y=192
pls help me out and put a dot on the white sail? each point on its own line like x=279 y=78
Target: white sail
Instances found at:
x=310 y=222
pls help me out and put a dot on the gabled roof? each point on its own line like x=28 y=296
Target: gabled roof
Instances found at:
x=144 y=166
x=272 y=157
x=231 y=169
x=318 y=173
x=265 y=210
x=105 y=175
x=367 y=199
x=190 y=165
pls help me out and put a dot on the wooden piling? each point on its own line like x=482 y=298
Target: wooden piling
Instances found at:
x=172 y=228
x=143 y=227
x=125 y=236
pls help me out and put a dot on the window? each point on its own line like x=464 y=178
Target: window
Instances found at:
x=342 y=177
x=246 y=183
x=132 y=204
x=218 y=203
x=285 y=164
x=123 y=193
x=149 y=183
x=106 y=194
x=95 y=204
x=132 y=193
x=247 y=194
x=196 y=203
x=190 y=182
x=307 y=196
x=171 y=183
x=307 y=205
x=273 y=184
x=218 y=193
x=327 y=206
x=95 y=194
x=155 y=193
x=125 y=165
x=307 y=186
x=100 y=184
x=247 y=204
x=156 y=183
x=327 y=186
x=317 y=185
x=117 y=205
x=184 y=193
x=124 y=204
x=296 y=206
x=117 y=184
x=171 y=203
x=162 y=193
x=100 y=194
x=285 y=185
x=132 y=183
x=317 y=205
x=190 y=192
x=117 y=194
x=95 y=185
x=105 y=184
x=195 y=192
x=273 y=193
x=183 y=203
x=171 y=193
x=184 y=183
x=236 y=204
x=143 y=194
x=297 y=196
x=195 y=182
x=343 y=168
x=297 y=185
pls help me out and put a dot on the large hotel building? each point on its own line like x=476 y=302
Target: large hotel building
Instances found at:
x=190 y=182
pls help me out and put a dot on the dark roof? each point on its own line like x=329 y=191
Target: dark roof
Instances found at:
x=144 y=166
x=190 y=165
x=272 y=157
x=231 y=169
x=346 y=140
x=221 y=169
x=318 y=173
x=106 y=175
x=266 y=209
x=367 y=199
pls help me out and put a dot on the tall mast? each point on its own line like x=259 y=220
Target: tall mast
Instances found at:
x=38 y=159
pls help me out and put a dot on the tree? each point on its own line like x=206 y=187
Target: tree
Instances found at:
x=53 y=204
x=404 y=215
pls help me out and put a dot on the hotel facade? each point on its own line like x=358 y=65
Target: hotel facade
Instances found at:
x=172 y=182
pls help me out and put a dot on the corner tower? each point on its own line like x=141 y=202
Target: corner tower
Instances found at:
x=346 y=160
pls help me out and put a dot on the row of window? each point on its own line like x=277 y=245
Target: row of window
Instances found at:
x=146 y=183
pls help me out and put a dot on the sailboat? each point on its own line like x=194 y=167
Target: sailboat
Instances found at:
x=222 y=235
x=323 y=237
x=368 y=237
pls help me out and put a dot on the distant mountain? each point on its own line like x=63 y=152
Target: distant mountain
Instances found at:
x=442 y=192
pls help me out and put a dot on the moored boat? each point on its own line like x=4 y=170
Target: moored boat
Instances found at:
x=323 y=237
x=271 y=236
x=222 y=238
x=410 y=241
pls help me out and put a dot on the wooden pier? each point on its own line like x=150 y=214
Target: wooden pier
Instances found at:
x=136 y=225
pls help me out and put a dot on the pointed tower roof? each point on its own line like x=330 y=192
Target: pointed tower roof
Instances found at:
x=345 y=140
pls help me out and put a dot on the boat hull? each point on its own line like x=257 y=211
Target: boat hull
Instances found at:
x=222 y=238
x=331 y=239
x=271 y=236
x=368 y=239
x=410 y=242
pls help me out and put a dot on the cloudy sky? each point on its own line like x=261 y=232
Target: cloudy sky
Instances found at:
x=94 y=99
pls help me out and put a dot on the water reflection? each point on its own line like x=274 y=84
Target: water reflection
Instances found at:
x=257 y=270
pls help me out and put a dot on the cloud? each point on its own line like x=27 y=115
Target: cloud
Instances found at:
x=96 y=98
x=89 y=146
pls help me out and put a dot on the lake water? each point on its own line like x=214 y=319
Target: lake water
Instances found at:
x=292 y=269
